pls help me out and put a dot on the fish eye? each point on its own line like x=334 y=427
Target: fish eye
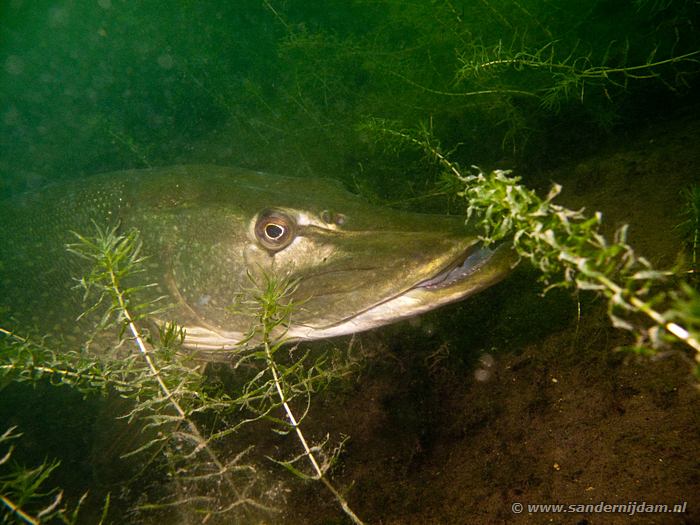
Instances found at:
x=274 y=229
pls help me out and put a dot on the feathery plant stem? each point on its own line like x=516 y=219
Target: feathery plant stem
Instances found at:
x=275 y=311
x=307 y=450
x=26 y=359
x=566 y=246
x=555 y=238
x=138 y=339
x=540 y=60
x=118 y=292
x=570 y=74
x=23 y=496
x=19 y=512
x=115 y=258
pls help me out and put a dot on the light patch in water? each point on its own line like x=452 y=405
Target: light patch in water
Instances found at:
x=204 y=300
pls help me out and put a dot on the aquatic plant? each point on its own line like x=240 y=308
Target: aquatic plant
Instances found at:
x=566 y=246
x=290 y=382
x=690 y=226
x=499 y=71
x=23 y=495
x=170 y=390
x=24 y=359
x=571 y=76
x=171 y=399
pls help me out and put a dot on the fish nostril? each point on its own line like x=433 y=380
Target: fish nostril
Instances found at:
x=330 y=217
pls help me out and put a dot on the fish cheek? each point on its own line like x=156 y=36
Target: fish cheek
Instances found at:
x=258 y=260
x=301 y=256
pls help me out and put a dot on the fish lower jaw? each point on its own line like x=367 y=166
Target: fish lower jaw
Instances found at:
x=206 y=339
x=480 y=269
x=407 y=305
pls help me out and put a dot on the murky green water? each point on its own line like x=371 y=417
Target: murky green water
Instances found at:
x=599 y=95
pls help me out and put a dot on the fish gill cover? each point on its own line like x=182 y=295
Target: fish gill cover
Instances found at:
x=395 y=99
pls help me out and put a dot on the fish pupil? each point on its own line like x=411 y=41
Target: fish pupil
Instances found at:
x=274 y=231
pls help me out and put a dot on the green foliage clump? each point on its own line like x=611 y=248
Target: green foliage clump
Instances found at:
x=23 y=494
x=569 y=250
x=182 y=414
x=290 y=383
x=489 y=74
x=690 y=226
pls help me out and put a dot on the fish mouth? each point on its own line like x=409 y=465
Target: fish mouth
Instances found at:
x=474 y=269
x=470 y=262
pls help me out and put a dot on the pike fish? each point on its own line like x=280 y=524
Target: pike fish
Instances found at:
x=206 y=230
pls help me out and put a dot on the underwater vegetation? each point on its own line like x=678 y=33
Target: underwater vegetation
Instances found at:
x=690 y=226
x=568 y=249
x=394 y=98
x=283 y=86
x=171 y=400
x=184 y=413
x=23 y=495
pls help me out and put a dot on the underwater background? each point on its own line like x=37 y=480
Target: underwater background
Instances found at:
x=510 y=396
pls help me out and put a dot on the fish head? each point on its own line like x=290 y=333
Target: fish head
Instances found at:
x=354 y=265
